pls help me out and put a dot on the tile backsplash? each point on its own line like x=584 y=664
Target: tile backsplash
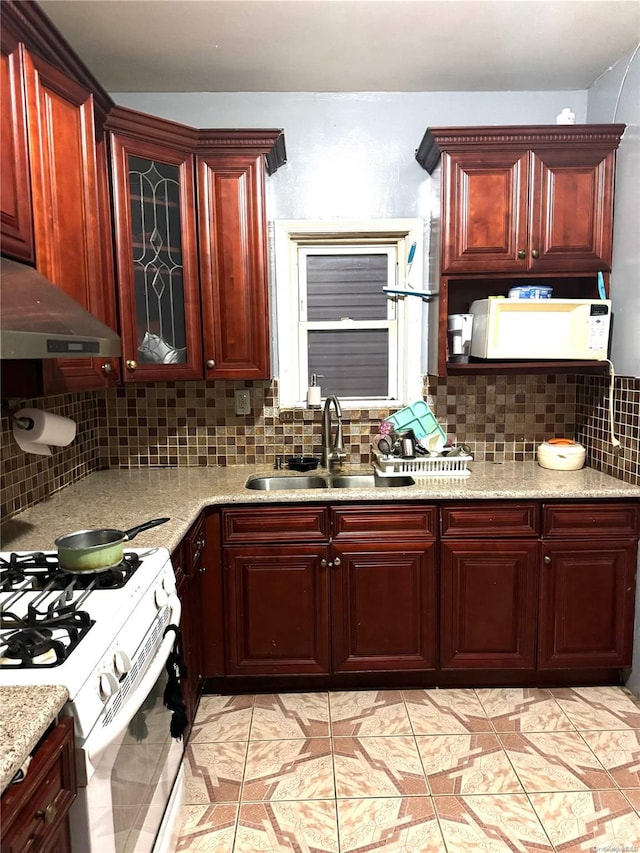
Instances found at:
x=500 y=417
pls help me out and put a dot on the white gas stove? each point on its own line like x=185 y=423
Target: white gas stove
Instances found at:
x=104 y=637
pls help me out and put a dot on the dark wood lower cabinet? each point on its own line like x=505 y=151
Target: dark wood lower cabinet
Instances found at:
x=277 y=609
x=383 y=607
x=35 y=813
x=488 y=604
x=405 y=594
x=587 y=598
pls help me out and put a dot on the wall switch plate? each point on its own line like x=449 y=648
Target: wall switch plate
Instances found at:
x=243 y=402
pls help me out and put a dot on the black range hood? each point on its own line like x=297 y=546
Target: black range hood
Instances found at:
x=38 y=320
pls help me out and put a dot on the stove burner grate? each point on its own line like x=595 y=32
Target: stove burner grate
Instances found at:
x=38 y=570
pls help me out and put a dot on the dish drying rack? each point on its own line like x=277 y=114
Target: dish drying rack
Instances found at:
x=422 y=466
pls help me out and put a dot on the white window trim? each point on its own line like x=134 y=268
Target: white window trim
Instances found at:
x=289 y=235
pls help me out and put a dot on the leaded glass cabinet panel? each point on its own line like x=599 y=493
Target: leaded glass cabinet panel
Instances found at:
x=157 y=261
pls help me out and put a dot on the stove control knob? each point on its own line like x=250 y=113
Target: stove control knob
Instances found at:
x=108 y=685
x=121 y=662
x=161 y=597
x=169 y=584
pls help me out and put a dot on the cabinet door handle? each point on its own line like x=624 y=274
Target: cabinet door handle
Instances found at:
x=547 y=560
x=106 y=368
x=323 y=564
x=48 y=815
x=211 y=363
x=337 y=561
x=522 y=254
x=535 y=253
x=131 y=364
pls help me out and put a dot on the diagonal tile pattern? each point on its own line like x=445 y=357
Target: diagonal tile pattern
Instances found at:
x=415 y=771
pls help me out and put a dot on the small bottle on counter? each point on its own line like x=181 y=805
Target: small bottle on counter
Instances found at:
x=314 y=393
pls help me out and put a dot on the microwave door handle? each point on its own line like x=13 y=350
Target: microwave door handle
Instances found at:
x=96 y=743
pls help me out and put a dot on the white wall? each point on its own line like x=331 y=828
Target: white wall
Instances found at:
x=615 y=97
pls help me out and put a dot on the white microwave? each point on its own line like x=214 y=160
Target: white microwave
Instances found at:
x=541 y=329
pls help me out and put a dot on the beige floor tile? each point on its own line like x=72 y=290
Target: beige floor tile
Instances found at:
x=289 y=770
x=501 y=823
x=290 y=715
x=633 y=795
x=207 y=829
x=467 y=764
x=368 y=712
x=445 y=712
x=222 y=718
x=619 y=753
x=378 y=767
x=599 y=708
x=557 y=761
x=214 y=771
x=389 y=825
x=308 y=826
x=523 y=709
x=578 y=822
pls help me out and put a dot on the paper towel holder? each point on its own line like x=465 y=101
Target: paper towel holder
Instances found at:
x=23 y=423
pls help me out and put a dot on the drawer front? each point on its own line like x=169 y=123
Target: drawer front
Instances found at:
x=600 y=520
x=489 y=519
x=276 y=524
x=384 y=522
x=34 y=810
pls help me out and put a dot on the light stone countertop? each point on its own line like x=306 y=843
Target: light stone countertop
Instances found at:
x=25 y=714
x=124 y=498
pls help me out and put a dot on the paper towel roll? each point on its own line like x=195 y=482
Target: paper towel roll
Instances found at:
x=35 y=430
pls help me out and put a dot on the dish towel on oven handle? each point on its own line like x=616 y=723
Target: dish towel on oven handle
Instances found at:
x=176 y=670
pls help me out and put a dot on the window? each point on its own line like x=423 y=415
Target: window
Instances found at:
x=336 y=321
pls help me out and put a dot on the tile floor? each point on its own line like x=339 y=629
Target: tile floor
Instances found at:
x=415 y=771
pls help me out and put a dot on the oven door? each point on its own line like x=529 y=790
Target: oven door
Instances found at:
x=132 y=763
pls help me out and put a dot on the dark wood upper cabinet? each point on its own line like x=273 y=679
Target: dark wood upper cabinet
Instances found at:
x=233 y=265
x=530 y=200
x=55 y=206
x=156 y=259
x=525 y=199
x=15 y=199
x=193 y=298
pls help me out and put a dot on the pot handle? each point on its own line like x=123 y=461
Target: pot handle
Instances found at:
x=130 y=534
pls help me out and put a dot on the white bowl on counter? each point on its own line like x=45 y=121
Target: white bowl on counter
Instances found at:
x=561 y=454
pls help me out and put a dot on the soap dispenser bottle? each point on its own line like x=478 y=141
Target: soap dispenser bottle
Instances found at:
x=314 y=393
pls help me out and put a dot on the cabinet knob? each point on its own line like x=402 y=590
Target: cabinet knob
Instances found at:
x=323 y=563
x=522 y=254
x=48 y=815
x=337 y=561
x=535 y=253
x=547 y=560
x=106 y=368
x=131 y=364
x=210 y=363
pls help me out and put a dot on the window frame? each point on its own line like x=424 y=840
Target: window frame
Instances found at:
x=292 y=236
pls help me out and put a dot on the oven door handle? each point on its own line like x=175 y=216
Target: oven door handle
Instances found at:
x=98 y=741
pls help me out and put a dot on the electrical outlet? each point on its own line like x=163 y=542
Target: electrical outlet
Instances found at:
x=243 y=402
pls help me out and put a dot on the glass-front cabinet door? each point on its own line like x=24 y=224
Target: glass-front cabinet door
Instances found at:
x=157 y=262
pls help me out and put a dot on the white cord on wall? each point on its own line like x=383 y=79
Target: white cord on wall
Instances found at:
x=622 y=82
x=614 y=441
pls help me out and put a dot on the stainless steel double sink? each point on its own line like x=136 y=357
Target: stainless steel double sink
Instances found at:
x=330 y=481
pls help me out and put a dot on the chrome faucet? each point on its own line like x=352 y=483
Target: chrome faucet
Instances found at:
x=332 y=453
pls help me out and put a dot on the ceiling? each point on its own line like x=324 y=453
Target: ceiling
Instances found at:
x=347 y=45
